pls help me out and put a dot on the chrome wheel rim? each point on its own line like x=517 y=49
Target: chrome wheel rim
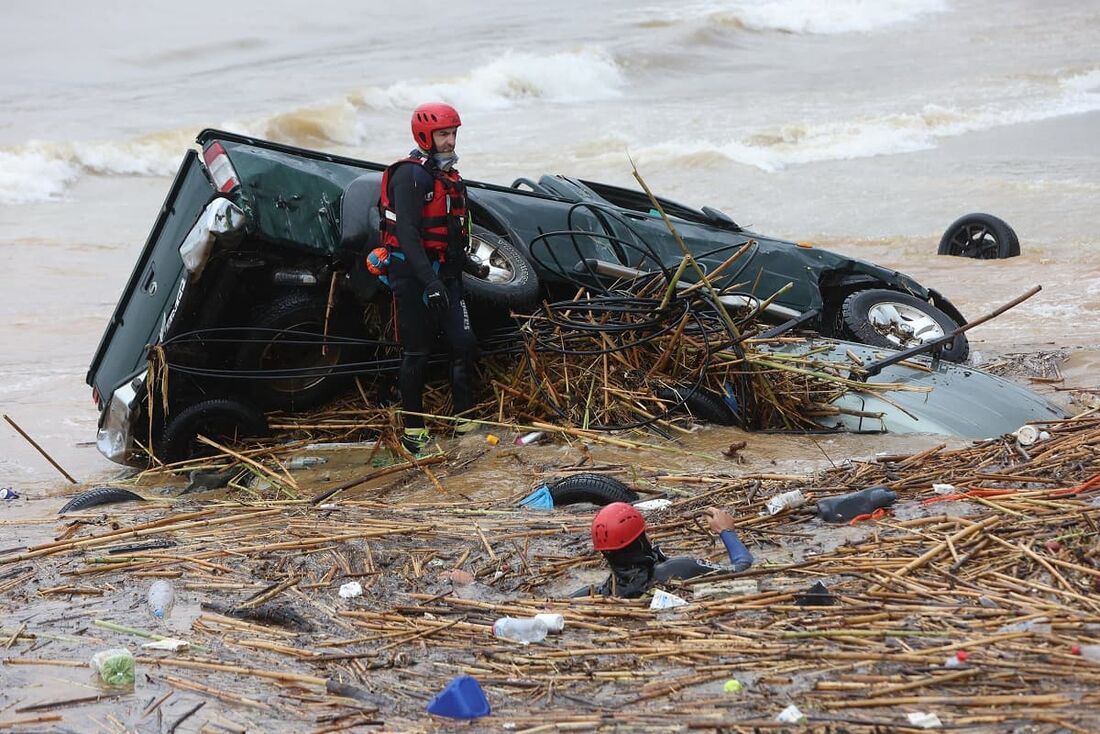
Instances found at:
x=903 y=325
x=485 y=252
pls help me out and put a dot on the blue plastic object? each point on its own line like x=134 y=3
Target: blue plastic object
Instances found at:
x=540 y=499
x=730 y=397
x=461 y=699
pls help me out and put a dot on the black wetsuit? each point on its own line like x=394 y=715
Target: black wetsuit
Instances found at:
x=412 y=270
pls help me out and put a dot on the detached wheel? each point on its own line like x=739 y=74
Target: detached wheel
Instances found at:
x=598 y=489
x=220 y=419
x=980 y=236
x=511 y=280
x=884 y=318
x=700 y=404
x=286 y=356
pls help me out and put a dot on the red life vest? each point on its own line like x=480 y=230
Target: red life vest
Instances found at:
x=443 y=215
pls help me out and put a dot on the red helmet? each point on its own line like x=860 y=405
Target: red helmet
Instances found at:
x=616 y=526
x=427 y=118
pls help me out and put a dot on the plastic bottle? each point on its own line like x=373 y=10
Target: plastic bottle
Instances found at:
x=848 y=506
x=1091 y=652
x=304 y=462
x=529 y=438
x=520 y=629
x=785 y=501
x=161 y=598
x=554 y=622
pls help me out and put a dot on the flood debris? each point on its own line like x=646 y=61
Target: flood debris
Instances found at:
x=968 y=576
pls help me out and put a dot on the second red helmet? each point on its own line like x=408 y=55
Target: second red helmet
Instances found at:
x=616 y=526
x=427 y=118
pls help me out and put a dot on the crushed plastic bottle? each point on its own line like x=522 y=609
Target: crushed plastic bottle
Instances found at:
x=523 y=630
x=845 y=507
x=7 y=493
x=161 y=598
x=304 y=462
x=115 y=666
x=785 y=501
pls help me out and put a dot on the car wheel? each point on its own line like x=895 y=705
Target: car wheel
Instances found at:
x=598 y=489
x=218 y=419
x=980 y=236
x=884 y=318
x=511 y=280
x=288 y=338
x=701 y=404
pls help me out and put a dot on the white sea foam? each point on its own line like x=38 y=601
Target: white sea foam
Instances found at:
x=569 y=76
x=40 y=171
x=776 y=148
x=43 y=171
x=799 y=16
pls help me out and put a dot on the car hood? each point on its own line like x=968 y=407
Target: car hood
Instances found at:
x=962 y=401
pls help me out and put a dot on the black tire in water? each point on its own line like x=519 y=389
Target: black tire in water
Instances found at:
x=980 y=236
x=220 y=419
x=511 y=280
x=598 y=489
x=700 y=403
x=99 y=496
x=895 y=320
x=288 y=336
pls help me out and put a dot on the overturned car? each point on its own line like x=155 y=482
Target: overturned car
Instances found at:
x=252 y=290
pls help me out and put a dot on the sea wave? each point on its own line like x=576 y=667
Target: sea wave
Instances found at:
x=42 y=171
x=582 y=75
x=796 y=16
x=772 y=149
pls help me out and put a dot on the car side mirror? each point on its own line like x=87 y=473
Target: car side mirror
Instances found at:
x=718 y=217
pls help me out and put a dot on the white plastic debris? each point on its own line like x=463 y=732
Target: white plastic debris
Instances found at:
x=791 y=715
x=351 y=589
x=943 y=488
x=924 y=721
x=555 y=623
x=1026 y=435
x=651 y=505
x=785 y=501
x=169 y=644
x=665 y=600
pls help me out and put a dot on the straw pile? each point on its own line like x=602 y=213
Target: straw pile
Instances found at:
x=1007 y=571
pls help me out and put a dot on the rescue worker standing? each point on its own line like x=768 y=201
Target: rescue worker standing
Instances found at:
x=426 y=228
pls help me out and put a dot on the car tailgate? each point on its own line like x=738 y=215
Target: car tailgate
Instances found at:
x=154 y=288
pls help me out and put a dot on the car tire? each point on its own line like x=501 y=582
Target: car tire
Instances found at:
x=700 y=403
x=217 y=419
x=871 y=316
x=99 y=496
x=597 y=489
x=295 y=310
x=979 y=236
x=511 y=281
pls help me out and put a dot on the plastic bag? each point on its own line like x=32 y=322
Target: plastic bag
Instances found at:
x=115 y=666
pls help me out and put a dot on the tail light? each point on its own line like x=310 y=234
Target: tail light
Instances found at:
x=221 y=170
x=95 y=396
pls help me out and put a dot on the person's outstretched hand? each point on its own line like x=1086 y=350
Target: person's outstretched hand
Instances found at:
x=719 y=520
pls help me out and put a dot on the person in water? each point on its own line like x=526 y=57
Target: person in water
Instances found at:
x=618 y=531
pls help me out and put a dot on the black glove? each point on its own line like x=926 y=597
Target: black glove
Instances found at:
x=436 y=298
